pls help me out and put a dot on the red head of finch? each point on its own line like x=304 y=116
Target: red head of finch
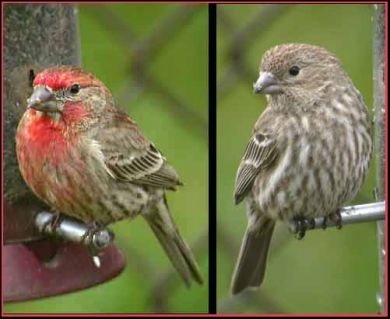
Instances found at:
x=308 y=153
x=86 y=158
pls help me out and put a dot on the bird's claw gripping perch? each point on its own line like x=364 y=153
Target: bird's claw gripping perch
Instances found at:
x=347 y=215
x=94 y=237
x=299 y=225
x=336 y=219
x=49 y=225
x=324 y=224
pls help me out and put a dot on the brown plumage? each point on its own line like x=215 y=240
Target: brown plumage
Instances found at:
x=309 y=151
x=87 y=159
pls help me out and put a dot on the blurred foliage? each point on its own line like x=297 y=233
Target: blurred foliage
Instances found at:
x=106 y=53
x=329 y=271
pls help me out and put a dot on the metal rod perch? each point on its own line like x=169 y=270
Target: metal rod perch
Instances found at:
x=74 y=231
x=349 y=215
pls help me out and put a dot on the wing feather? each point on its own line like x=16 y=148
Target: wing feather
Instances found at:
x=260 y=153
x=129 y=156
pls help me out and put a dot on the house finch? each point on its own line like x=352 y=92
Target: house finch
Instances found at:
x=87 y=159
x=308 y=153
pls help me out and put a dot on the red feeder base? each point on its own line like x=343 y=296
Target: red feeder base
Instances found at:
x=27 y=277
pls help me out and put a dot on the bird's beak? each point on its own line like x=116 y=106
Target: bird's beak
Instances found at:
x=42 y=99
x=266 y=84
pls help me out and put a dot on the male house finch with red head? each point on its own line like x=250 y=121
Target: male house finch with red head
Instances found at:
x=308 y=153
x=87 y=159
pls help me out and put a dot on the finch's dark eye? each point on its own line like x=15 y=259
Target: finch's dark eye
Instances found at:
x=75 y=88
x=294 y=70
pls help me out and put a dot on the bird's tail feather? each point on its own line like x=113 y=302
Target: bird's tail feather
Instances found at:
x=251 y=263
x=178 y=251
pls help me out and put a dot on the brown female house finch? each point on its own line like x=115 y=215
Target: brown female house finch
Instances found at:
x=308 y=153
x=87 y=159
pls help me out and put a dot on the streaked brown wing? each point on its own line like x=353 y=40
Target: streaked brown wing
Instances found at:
x=260 y=152
x=129 y=156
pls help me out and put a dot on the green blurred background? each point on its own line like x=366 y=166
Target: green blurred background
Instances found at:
x=154 y=58
x=329 y=271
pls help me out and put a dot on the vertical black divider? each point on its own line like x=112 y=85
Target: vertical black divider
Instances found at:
x=212 y=160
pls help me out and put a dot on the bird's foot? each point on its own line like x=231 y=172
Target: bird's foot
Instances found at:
x=52 y=224
x=88 y=237
x=324 y=223
x=302 y=224
x=96 y=238
x=335 y=218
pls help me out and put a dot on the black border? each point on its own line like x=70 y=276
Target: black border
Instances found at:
x=212 y=159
